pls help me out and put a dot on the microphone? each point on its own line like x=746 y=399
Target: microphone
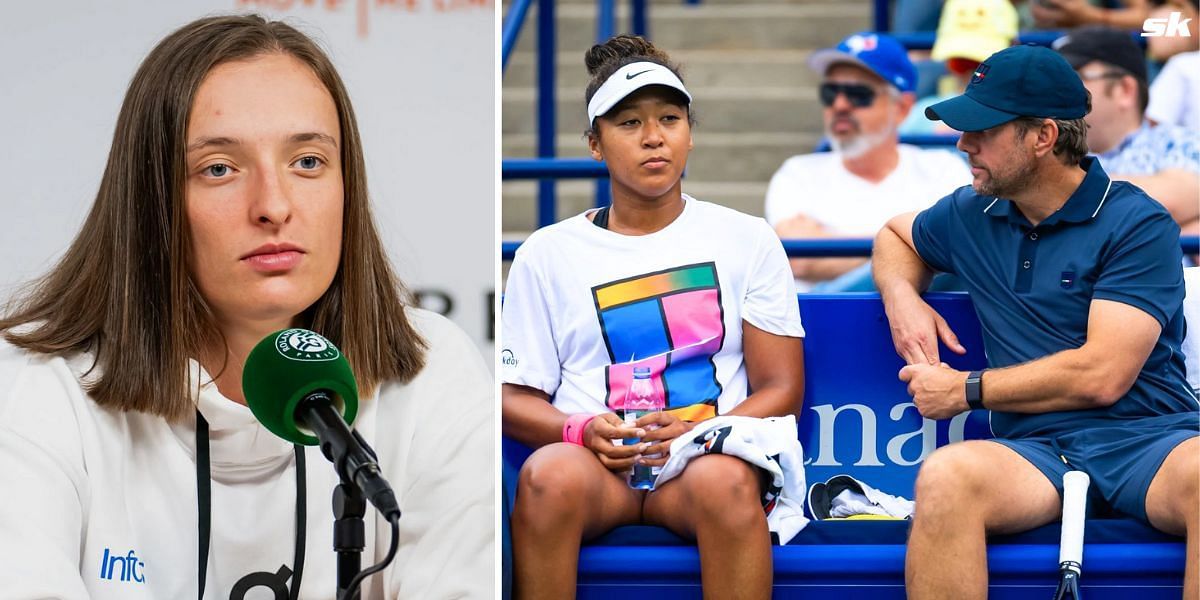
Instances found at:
x=300 y=387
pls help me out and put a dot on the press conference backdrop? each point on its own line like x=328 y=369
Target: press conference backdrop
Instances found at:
x=421 y=76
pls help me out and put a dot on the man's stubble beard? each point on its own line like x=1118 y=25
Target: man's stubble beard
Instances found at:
x=1010 y=184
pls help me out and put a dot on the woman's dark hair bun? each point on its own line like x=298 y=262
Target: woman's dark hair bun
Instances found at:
x=603 y=60
x=617 y=49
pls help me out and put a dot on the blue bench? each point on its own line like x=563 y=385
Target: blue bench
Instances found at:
x=858 y=420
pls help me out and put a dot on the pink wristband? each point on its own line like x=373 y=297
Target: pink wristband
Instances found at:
x=573 y=429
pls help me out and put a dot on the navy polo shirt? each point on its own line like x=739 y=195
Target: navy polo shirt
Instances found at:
x=1032 y=286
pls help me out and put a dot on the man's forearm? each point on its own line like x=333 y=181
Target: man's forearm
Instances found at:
x=1066 y=380
x=896 y=266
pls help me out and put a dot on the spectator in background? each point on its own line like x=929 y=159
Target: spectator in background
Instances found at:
x=1164 y=161
x=1176 y=91
x=969 y=32
x=1063 y=14
x=869 y=176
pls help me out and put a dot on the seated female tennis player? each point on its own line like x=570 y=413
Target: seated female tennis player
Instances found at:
x=699 y=294
x=234 y=204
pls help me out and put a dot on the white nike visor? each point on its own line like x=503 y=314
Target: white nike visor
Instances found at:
x=627 y=80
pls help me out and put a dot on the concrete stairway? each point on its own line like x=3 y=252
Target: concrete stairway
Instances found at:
x=744 y=63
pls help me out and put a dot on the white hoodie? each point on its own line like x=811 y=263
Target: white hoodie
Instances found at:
x=97 y=503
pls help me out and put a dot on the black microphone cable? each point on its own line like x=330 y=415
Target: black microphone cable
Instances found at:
x=379 y=566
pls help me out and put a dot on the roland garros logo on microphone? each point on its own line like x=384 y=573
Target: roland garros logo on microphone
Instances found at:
x=305 y=345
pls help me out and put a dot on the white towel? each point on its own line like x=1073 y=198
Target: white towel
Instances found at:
x=844 y=496
x=769 y=444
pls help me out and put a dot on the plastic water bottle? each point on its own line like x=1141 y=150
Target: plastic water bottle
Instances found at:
x=640 y=401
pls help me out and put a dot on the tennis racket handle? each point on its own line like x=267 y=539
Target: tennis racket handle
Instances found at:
x=1075 y=487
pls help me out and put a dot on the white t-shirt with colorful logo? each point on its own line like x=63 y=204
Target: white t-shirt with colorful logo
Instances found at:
x=585 y=305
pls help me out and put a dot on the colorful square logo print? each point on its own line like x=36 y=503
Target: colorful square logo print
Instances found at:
x=670 y=321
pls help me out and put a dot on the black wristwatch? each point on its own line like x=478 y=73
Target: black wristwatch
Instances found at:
x=975 y=390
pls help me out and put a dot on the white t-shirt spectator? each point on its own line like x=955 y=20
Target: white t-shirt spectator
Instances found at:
x=584 y=305
x=818 y=186
x=1175 y=93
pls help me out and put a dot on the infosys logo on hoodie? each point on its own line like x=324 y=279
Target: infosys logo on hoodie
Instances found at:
x=115 y=567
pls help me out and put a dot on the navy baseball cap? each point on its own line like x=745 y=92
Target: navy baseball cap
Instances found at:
x=1019 y=81
x=878 y=53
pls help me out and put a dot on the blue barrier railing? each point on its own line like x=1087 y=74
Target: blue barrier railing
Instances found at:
x=553 y=168
x=847 y=247
x=922 y=140
x=511 y=28
x=639 y=22
x=606 y=18
x=546 y=106
x=881 y=16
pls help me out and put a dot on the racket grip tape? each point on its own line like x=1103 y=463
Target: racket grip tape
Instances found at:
x=1075 y=488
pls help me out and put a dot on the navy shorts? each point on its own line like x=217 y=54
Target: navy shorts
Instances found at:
x=1121 y=459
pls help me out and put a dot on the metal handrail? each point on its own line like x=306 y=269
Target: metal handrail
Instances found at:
x=552 y=168
x=546 y=107
x=511 y=29
x=825 y=248
x=924 y=140
x=586 y=168
x=842 y=247
x=881 y=16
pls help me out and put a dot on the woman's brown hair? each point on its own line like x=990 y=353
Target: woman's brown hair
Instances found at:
x=124 y=290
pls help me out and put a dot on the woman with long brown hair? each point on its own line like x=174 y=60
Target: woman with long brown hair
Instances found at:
x=234 y=204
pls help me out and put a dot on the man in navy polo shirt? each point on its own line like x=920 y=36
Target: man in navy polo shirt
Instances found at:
x=1078 y=285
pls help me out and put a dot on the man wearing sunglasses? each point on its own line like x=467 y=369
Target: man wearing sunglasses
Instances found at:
x=1078 y=285
x=866 y=90
x=1163 y=160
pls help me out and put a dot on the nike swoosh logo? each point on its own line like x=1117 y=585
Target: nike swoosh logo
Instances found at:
x=632 y=75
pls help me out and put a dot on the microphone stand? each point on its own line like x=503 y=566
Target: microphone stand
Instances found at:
x=357 y=469
x=349 y=537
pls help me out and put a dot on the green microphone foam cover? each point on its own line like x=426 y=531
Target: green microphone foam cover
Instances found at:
x=285 y=367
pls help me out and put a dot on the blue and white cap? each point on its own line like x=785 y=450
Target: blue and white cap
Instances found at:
x=880 y=54
x=627 y=80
